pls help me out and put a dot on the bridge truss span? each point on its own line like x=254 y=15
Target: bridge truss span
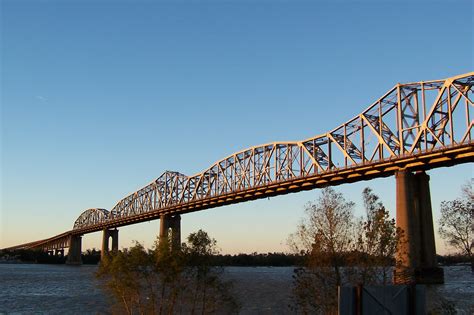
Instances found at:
x=410 y=122
x=163 y=192
x=91 y=217
x=415 y=126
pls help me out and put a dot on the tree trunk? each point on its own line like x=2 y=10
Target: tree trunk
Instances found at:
x=195 y=297
x=204 y=300
x=162 y=299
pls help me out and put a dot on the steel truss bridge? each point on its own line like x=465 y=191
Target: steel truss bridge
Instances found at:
x=414 y=126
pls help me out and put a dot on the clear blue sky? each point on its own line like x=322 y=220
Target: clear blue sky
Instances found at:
x=98 y=98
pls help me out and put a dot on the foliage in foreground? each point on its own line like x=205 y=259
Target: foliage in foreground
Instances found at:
x=341 y=249
x=166 y=281
x=456 y=224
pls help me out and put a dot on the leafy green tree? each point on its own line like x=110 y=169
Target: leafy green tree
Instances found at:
x=456 y=224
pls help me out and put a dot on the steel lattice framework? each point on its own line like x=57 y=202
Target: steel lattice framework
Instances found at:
x=409 y=119
x=418 y=125
x=91 y=217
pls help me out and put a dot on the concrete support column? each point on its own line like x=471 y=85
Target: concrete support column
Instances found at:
x=74 y=254
x=105 y=243
x=428 y=271
x=115 y=242
x=176 y=232
x=416 y=254
x=428 y=250
x=164 y=226
x=170 y=229
x=407 y=220
x=106 y=235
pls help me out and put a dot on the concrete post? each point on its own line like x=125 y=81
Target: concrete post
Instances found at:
x=428 y=271
x=176 y=232
x=106 y=235
x=105 y=243
x=74 y=254
x=428 y=250
x=407 y=220
x=164 y=226
x=416 y=255
x=170 y=229
x=115 y=242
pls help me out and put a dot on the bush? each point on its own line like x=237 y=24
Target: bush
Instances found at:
x=167 y=281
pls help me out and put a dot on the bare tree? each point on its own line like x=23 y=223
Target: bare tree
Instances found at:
x=207 y=291
x=377 y=242
x=325 y=235
x=341 y=250
x=166 y=280
x=456 y=224
x=126 y=276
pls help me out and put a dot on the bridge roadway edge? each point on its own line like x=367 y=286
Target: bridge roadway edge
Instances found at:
x=446 y=157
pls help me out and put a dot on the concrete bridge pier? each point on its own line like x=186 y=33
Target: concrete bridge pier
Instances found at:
x=416 y=255
x=107 y=234
x=170 y=229
x=74 y=254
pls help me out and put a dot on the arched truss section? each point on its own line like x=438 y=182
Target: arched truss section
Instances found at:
x=91 y=217
x=410 y=119
x=165 y=191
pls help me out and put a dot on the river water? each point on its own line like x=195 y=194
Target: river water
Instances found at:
x=62 y=289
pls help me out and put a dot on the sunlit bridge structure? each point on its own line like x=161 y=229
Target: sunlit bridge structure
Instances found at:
x=412 y=128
